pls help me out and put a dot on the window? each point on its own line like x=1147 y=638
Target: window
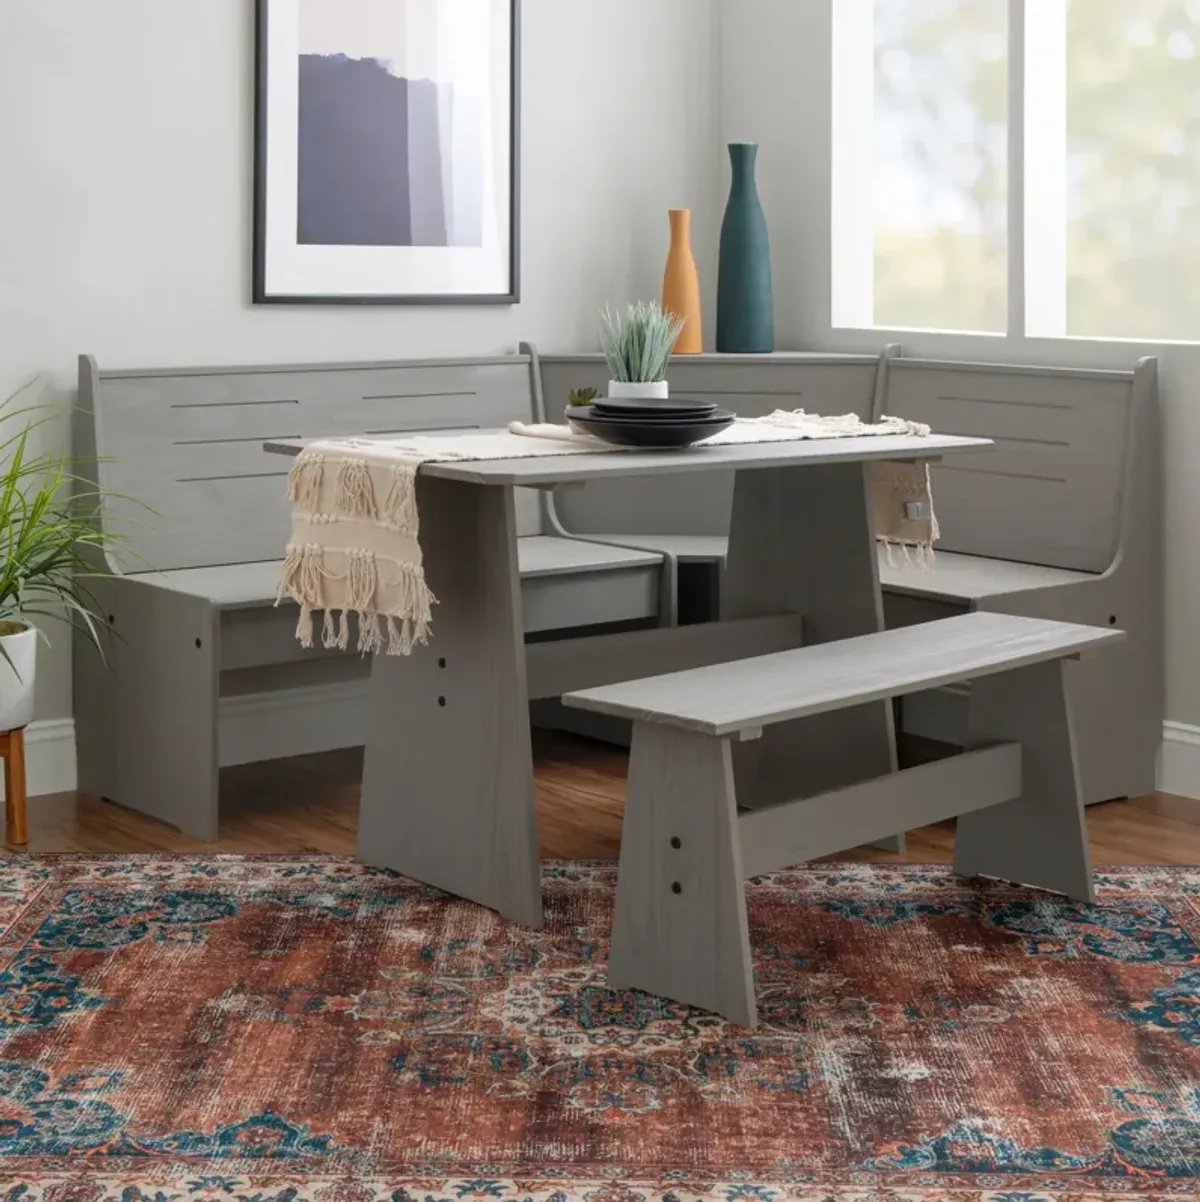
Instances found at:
x=940 y=169
x=1133 y=168
x=1097 y=102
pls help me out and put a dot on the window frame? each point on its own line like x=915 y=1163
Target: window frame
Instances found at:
x=1037 y=168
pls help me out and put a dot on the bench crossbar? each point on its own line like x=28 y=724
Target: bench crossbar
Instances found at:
x=798 y=831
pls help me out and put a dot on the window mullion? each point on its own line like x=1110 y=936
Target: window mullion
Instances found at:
x=1018 y=96
x=1042 y=257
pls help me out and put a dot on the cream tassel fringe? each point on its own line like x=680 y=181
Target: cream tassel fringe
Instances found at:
x=355 y=492
x=393 y=616
x=305 y=481
x=400 y=508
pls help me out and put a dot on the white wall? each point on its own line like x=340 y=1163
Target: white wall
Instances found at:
x=776 y=90
x=125 y=191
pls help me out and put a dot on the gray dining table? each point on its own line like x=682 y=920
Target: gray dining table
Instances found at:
x=448 y=785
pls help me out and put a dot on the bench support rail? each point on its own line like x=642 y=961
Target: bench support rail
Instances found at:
x=798 y=831
x=680 y=928
x=1041 y=837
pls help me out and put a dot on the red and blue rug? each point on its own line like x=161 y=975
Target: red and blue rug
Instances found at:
x=273 y=1029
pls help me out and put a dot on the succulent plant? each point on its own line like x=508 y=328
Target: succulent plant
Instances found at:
x=583 y=396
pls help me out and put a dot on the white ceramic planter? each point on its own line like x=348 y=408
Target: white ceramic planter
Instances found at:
x=657 y=391
x=16 y=679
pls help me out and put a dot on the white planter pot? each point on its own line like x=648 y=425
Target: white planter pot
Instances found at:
x=658 y=391
x=17 y=674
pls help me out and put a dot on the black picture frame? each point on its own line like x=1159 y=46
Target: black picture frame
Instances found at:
x=260 y=294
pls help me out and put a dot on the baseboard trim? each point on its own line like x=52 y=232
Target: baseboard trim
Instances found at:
x=273 y=726
x=1179 y=760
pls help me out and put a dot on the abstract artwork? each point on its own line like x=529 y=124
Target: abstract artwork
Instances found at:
x=386 y=151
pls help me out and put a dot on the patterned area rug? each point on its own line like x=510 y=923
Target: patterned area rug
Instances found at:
x=307 y=1030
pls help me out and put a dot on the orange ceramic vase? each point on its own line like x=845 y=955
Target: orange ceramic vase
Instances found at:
x=681 y=284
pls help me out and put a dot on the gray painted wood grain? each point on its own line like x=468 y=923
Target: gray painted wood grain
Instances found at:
x=1040 y=838
x=684 y=548
x=969 y=578
x=798 y=831
x=753 y=387
x=730 y=698
x=569 y=469
x=566 y=469
x=447 y=792
x=1061 y=443
x=802 y=541
x=189 y=444
x=563 y=664
x=679 y=927
x=164 y=691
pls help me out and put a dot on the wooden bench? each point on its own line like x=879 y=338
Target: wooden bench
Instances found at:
x=693 y=834
x=687 y=520
x=191 y=595
x=1062 y=521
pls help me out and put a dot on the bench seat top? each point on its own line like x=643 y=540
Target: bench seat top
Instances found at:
x=731 y=698
x=686 y=548
x=252 y=585
x=961 y=579
x=968 y=578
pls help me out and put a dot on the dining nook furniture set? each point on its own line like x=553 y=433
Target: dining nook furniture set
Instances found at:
x=761 y=738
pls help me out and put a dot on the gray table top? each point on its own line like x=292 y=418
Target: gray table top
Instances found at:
x=563 y=469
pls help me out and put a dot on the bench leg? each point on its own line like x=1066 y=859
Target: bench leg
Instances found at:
x=447 y=794
x=166 y=686
x=1041 y=838
x=679 y=929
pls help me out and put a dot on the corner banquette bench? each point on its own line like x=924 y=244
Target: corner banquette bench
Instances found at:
x=191 y=594
x=1062 y=521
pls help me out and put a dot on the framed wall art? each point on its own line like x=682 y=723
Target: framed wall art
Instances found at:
x=387 y=152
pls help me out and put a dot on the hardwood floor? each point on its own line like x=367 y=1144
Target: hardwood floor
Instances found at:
x=310 y=804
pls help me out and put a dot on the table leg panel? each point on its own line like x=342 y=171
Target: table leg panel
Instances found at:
x=802 y=541
x=448 y=780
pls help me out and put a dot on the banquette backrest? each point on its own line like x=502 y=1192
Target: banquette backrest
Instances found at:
x=1055 y=489
x=187 y=443
x=750 y=385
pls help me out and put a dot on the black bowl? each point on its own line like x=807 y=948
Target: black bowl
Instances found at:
x=662 y=435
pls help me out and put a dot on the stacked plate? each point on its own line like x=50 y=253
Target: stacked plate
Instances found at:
x=671 y=423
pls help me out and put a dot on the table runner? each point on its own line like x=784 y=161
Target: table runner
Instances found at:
x=355 y=543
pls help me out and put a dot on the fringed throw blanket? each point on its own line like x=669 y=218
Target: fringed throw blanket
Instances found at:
x=355 y=544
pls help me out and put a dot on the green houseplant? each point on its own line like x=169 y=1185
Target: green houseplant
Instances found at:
x=637 y=343
x=50 y=542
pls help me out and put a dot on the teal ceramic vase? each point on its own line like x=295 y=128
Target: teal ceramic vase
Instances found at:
x=745 y=297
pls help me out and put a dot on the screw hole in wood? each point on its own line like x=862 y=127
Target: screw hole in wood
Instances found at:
x=442 y=702
x=676 y=842
x=676 y=887
x=199 y=643
x=441 y=663
x=1112 y=621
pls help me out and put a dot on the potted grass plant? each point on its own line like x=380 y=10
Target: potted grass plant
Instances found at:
x=50 y=542
x=637 y=342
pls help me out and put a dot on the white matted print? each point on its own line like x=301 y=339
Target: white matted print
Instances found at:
x=386 y=151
